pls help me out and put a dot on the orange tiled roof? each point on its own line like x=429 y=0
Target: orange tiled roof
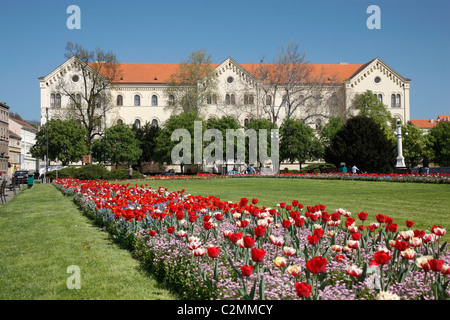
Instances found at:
x=429 y=123
x=423 y=124
x=161 y=72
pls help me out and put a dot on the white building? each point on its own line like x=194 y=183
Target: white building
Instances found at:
x=139 y=95
x=28 y=134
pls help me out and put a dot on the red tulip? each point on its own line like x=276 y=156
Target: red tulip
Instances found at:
x=235 y=237
x=246 y=270
x=152 y=233
x=249 y=242
x=258 y=254
x=362 y=216
x=380 y=218
x=254 y=201
x=171 y=229
x=318 y=233
x=286 y=223
x=436 y=265
x=213 y=252
x=299 y=222
x=303 y=289
x=409 y=224
x=317 y=265
x=400 y=245
x=392 y=227
x=380 y=258
x=260 y=231
x=313 y=239
x=356 y=236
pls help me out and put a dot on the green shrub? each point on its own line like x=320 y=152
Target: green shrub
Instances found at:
x=94 y=172
x=319 y=168
x=314 y=168
x=123 y=174
x=91 y=172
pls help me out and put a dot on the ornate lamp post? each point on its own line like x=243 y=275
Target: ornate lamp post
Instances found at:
x=398 y=133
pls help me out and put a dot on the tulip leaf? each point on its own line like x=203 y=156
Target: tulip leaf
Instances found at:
x=443 y=247
x=261 y=289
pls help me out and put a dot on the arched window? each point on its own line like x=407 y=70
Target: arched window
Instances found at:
x=137 y=100
x=227 y=99
x=251 y=99
x=233 y=99
x=214 y=99
x=154 y=122
x=245 y=122
x=119 y=121
x=137 y=122
x=245 y=98
x=78 y=98
x=154 y=100
x=380 y=98
x=268 y=100
x=398 y=101
x=119 y=100
x=58 y=100
x=208 y=99
x=171 y=99
x=52 y=100
x=318 y=124
x=393 y=101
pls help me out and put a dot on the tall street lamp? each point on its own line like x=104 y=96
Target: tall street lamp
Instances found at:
x=398 y=133
x=46 y=159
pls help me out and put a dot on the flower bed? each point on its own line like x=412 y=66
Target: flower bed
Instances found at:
x=214 y=249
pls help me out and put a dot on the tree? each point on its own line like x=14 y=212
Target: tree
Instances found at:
x=89 y=89
x=298 y=142
x=328 y=131
x=66 y=141
x=290 y=82
x=416 y=144
x=368 y=105
x=223 y=124
x=147 y=135
x=262 y=124
x=192 y=84
x=165 y=146
x=441 y=146
x=362 y=142
x=116 y=146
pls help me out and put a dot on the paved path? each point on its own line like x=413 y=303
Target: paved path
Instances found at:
x=10 y=194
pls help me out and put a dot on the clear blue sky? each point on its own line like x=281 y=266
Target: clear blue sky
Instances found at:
x=414 y=38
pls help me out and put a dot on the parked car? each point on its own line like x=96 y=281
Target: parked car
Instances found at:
x=20 y=174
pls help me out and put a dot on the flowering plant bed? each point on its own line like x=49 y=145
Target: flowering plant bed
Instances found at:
x=208 y=248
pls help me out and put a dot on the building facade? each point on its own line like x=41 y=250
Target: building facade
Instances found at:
x=139 y=95
x=27 y=134
x=4 y=138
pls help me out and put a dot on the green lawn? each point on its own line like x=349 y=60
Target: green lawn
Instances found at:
x=424 y=203
x=42 y=233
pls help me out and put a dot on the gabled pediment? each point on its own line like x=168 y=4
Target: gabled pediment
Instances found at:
x=382 y=69
x=230 y=65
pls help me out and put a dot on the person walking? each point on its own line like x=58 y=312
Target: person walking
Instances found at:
x=130 y=172
x=354 y=169
x=426 y=165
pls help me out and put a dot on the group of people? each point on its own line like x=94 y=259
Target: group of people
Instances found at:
x=425 y=168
